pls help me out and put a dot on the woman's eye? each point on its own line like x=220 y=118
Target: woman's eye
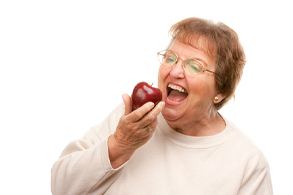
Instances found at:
x=171 y=59
x=194 y=66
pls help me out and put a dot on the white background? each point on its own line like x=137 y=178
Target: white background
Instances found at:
x=65 y=64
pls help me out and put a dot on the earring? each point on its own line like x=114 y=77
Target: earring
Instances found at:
x=216 y=99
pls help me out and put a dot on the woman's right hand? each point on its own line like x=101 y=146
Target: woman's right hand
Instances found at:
x=134 y=129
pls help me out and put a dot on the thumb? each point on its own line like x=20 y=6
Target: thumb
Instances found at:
x=127 y=103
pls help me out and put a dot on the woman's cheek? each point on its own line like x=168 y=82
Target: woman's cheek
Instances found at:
x=163 y=72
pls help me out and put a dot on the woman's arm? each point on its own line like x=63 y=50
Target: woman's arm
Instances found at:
x=85 y=164
x=93 y=163
x=257 y=179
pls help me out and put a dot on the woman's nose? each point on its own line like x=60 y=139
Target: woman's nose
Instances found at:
x=177 y=70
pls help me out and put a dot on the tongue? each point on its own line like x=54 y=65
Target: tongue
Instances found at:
x=177 y=96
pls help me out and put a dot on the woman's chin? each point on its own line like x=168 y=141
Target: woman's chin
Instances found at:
x=170 y=114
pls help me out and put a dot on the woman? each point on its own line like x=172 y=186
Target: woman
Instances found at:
x=180 y=146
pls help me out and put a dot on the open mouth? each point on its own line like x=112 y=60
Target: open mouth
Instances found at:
x=176 y=93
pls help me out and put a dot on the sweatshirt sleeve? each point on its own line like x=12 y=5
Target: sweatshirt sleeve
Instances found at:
x=84 y=165
x=256 y=179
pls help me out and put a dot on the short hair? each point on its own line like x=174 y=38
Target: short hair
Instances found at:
x=222 y=43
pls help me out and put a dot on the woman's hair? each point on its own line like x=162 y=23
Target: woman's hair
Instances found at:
x=220 y=42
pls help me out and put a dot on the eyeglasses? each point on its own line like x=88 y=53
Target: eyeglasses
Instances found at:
x=191 y=66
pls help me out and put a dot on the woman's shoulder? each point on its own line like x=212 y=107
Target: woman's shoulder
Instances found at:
x=241 y=143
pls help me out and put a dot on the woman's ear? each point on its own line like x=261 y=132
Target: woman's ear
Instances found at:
x=218 y=98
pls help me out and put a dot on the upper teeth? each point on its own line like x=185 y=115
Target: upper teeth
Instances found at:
x=176 y=87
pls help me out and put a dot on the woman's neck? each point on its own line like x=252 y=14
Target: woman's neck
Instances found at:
x=205 y=126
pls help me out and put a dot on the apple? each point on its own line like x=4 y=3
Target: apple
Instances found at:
x=143 y=93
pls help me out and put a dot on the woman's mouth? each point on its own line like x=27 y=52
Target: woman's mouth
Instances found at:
x=175 y=94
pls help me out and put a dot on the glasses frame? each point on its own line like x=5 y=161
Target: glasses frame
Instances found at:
x=203 y=69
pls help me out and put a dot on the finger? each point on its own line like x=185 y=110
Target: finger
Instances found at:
x=139 y=113
x=127 y=103
x=149 y=130
x=153 y=124
x=156 y=111
x=145 y=132
x=152 y=115
x=159 y=107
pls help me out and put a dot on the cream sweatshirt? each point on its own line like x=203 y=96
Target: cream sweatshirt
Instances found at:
x=170 y=163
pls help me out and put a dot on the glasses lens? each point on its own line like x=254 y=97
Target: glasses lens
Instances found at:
x=167 y=57
x=193 y=67
x=170 y=58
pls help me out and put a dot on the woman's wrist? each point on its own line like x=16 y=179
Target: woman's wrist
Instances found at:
x=118 y=153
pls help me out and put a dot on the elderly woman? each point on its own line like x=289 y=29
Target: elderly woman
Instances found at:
x=181 y=145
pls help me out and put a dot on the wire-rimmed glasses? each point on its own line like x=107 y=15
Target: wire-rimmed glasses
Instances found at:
x=192 y=66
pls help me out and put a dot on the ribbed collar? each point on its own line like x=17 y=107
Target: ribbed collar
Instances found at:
x=193 y=141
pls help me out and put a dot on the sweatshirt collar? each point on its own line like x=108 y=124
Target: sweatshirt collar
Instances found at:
x=193 y=141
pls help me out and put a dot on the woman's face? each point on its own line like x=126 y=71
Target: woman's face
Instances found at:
x=187 y=98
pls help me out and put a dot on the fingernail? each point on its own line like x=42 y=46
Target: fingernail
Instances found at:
x=150 y=104
x=161 y=105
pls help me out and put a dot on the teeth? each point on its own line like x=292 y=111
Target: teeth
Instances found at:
x=176 y=87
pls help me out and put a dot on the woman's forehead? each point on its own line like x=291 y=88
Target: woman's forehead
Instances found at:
x=186 y=50
x=199 y=42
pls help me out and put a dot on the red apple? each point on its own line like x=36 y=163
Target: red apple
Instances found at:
x=143 y=92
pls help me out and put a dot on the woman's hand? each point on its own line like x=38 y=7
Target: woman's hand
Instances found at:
x=134 y=129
